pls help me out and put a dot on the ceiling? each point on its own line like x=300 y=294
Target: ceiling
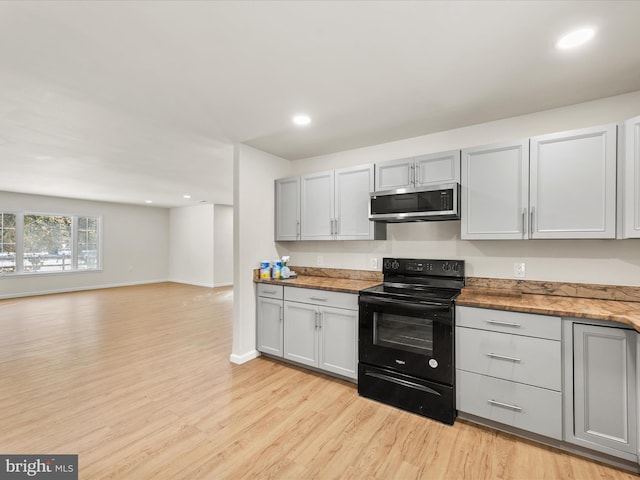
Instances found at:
x=143 y=100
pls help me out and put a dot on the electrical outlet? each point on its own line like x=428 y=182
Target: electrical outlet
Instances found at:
x=519 y=270
x=373 y=263
x=320 y=260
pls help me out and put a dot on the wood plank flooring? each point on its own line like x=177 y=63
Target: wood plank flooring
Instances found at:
x=138 y=382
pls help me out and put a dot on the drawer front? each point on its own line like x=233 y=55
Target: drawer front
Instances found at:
x=522 y=406
x=322 y=297
x=270 y=291
x=532 y=325
x=534 y=361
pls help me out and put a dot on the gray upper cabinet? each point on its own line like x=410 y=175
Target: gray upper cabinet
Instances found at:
x=352 y=187
x=573 y=184
x=495 y=191
x=600 y=367
x=430 y=169
x=287 y=209
x=630 y=179
x=317 y=195
x=561 y=185
x=334 y=205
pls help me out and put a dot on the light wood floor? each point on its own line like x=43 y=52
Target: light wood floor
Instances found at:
x=137 y=381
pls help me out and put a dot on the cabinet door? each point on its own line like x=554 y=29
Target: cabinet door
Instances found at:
x=338 y=341
x=353 y=186
x=300 y=333
x=604 y=388
x=317 y=206
x=631 y=179
x=494 y=181
x=287 y=209
x=394 y=174
x=437 y=168
x=573 y=184
x=270 y=315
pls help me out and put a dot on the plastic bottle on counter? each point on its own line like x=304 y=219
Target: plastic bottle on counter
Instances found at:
x=276 y=269
x=265 y=270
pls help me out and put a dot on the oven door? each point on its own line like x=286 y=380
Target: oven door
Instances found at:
x=409 y=337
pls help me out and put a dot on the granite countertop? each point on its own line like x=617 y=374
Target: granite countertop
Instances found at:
x=598 y=302
x=333 y=279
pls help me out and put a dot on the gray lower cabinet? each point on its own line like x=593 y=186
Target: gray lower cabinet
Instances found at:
x=320 y=330
x=601 y=383
x=508 y=369
x=270 y=315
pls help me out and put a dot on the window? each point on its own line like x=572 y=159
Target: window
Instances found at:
x=42 y=243
x=7 y=242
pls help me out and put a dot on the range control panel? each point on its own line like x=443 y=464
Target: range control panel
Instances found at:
x=445 y=268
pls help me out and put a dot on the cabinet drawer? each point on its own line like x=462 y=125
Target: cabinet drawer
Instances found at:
x=522 y=406
x=322 y=297
x=270 y=291
x=529 y=324
x=534 y=361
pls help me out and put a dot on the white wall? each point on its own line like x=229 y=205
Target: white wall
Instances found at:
x=587 y=261
x=254 y=174
x=191 y=245
x=223 y=245
x=135 y=245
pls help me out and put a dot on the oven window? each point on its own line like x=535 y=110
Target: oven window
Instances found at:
x=403 y=332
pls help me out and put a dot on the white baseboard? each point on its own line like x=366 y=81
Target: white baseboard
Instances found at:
x=80 y=289
x=244 y=358
x=195 y=284
x=226 y=284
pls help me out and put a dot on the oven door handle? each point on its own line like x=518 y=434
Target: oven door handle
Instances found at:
x=417 y=306
x=404 y=383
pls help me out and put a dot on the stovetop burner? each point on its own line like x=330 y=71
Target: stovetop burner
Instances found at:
x=412 y=292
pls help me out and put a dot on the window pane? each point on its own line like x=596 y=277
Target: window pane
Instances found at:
x=47 y=239
x=7 y=243
x=88 y=243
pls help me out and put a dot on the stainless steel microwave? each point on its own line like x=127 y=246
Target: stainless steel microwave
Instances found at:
x=437 y=202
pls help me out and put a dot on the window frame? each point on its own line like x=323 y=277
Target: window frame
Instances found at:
x=19 y=266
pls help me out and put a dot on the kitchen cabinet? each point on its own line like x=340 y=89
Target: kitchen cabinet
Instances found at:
x=332 y=205
x=495 y=191
x=630 y=179
x=270 y=315
x=508 y=368
x=320 y=330
x=573 y=184
x=287 y=209
x=601 y=387
x=431 y=169
x=561 y=185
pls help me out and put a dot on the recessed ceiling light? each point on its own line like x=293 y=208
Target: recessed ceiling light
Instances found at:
x=302 y=120
x=148 y=201
x=186 y=196
x=575 y=38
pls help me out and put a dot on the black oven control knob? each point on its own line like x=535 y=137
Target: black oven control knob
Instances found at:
x=456 y=267
x=395 y=265
x=387 y=264
x=446 y=267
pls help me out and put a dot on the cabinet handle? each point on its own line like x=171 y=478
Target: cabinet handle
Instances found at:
x=319 y=299
x=411 y=174
x=416 y=174
x=504 y=324
x=532 y=226
x=281 y=313
x=524 y=221
x=320 y=319
x=298 y=229
x=316 y=320
x=505 y=405
x=270 y=292
x=503 y=357
x=337 y=220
